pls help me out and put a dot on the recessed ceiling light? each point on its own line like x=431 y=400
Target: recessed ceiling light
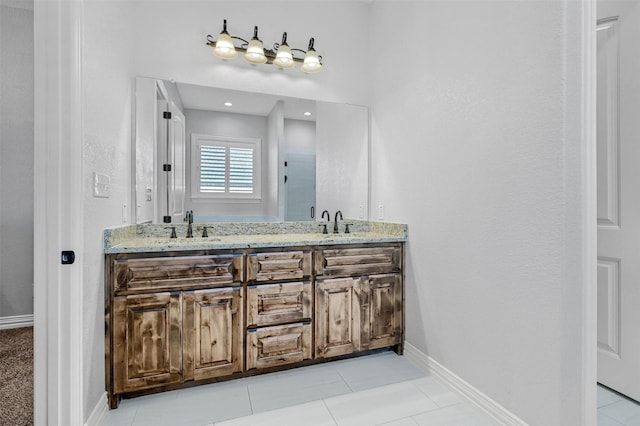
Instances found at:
x=307 y=113
x=228 y=104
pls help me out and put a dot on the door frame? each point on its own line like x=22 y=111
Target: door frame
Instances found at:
x=58 y=212
x=588 y=198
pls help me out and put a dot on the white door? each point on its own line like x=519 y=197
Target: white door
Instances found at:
x=170 y=139
x=176 y=142
x=618 y=157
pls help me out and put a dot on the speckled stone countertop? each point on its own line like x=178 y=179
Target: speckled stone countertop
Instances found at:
x=226 y=235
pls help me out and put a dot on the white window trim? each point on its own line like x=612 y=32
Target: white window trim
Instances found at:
x=198 y=140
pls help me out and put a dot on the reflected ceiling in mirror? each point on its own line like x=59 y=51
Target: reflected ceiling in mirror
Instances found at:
x=249 y=103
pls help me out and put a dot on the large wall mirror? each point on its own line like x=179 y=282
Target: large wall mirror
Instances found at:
x=229 y=155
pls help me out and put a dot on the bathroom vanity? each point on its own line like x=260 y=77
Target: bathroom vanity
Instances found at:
x=251 y=298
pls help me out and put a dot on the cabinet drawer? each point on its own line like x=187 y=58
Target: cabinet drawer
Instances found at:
x=278 y=345
x=276 y=266
x=160 y=273
x=269 y=304
x=357 y=261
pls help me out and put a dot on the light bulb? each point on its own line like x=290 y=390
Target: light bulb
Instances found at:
x=224 y=45
x=255 y=52
x=284 y=58
x=311 y=62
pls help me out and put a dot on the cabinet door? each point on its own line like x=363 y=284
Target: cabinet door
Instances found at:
x=384 y=297
x=278 y=345
x=337 y=316
x=212 y=332
x=146 y=341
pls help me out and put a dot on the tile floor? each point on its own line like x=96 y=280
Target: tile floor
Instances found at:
x=616 y=410
x=378 y=389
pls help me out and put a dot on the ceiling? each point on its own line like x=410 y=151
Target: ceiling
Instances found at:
x=213 y=99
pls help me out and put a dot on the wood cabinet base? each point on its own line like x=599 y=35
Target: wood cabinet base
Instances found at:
x=179 y=319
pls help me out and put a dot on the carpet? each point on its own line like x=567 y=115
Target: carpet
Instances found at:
x=16 y=377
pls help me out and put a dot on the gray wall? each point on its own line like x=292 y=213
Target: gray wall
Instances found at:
x=16 y=159
x=482 y=161
x=299 y=136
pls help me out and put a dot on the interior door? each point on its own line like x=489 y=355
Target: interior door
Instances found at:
x=618 y=161
x=170 y=140
x=176 y=141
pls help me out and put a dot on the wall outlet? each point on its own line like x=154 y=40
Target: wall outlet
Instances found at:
x=125 y=215
x=101 y=185
x=381 y=212
x=361 y=211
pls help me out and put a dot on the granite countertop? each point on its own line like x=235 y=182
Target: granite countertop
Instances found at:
x=155 y=238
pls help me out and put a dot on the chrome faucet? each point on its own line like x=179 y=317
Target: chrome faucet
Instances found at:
x=335 y=222
x=189 y=218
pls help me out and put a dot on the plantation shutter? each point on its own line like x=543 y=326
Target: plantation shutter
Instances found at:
x=212 y=168
x=240 y=170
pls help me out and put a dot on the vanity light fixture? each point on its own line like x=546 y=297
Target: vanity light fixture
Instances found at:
x=255 y=53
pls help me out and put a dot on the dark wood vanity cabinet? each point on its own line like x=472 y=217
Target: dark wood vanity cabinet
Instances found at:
x=179 y=317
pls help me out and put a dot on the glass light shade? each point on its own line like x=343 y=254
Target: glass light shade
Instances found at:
x=311 y=62
x=224 y=47
x=255 y=52
x=284 y=58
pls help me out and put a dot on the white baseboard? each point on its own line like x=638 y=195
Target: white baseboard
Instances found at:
x=16 y=321
x=470 y=393
x=99 y=412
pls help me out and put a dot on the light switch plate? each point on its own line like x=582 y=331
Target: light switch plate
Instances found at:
x=101 y=185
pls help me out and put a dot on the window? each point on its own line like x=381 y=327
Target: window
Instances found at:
x=225 y=167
